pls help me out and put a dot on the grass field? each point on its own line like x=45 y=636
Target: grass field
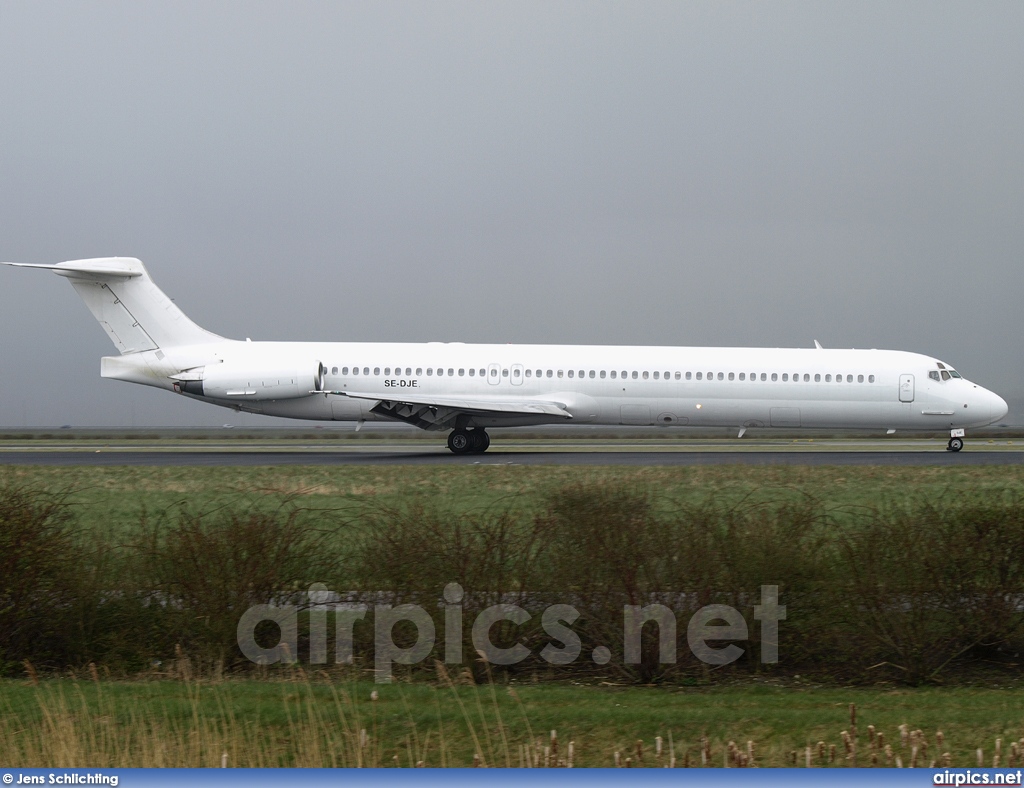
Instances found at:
x=117 y=496
x=335 y=723
x=289 y=719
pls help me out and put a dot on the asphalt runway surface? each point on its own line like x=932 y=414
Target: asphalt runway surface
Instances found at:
x=271 y=457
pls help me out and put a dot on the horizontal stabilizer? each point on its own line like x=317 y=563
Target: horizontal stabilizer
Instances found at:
x=102 y=269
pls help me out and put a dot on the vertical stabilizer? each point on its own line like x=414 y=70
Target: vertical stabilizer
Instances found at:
x=136 y=314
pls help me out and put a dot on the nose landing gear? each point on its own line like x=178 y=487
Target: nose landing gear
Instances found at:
x=461 y=441
x=956 y=440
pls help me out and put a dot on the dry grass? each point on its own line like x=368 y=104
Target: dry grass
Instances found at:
x=324 y=722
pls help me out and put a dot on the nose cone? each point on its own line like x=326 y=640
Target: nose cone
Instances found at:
x=993 y=406
x=1000 y=409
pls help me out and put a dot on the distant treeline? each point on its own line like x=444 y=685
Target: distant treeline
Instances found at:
x=921 y=591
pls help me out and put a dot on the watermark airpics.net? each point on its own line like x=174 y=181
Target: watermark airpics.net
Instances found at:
x=710 y=624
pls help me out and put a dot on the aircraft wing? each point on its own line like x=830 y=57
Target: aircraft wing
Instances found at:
x=439 y=412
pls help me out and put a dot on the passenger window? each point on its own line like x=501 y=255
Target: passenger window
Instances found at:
x=366 y=370
x=387 y=372
x=504 y=373
x=344 y=370
x=700 y=376
x=570 y=373
x=657 y=376
x=860 y=378
x=688 y=376
x=529 y=373
x=764 y=376
x=583 y=373
x=559 y=373
x=462 y=373
x=550 y=373
x=732 y=376
x=592 y=374
x=635 y=375
x=871 y=378
x=775 y=376
x=408 y=371
x=614 y=374
x=678 y=376
x=472 y=372
x=807 y=377
x=785 y=377
x=430 y=371
x=334 y=370
x=743 y=376
x=849 y=378
x=711 y=376
x=646 y=375
x=828 y=378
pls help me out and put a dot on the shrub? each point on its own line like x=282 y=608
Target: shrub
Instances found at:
x=207 y=568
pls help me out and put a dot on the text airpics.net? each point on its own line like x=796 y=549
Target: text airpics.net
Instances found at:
x=958 y=777
x=711 y=623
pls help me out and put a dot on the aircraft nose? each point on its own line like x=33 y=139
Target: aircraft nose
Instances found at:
x=992 y=405
x=999 y=407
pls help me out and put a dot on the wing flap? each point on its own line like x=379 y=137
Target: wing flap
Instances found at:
x=466 y=404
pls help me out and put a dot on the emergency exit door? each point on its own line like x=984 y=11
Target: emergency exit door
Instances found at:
x=906 y=388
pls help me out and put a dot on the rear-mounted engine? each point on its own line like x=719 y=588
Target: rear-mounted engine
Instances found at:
x=242 y=382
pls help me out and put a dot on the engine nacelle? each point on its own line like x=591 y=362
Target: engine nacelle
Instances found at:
x=240 y=381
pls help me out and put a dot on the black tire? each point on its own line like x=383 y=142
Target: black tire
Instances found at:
x=460 y=442
x=480 y=440
x=955 y=444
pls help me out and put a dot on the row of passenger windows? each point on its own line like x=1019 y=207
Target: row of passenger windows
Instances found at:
x=616 y=374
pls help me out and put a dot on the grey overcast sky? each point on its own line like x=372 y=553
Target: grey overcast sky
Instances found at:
x=682 y=173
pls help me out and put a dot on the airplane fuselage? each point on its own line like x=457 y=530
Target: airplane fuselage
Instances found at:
x=669 y=386
x=467 y=388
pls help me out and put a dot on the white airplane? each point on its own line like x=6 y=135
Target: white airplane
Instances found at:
x=467 y=388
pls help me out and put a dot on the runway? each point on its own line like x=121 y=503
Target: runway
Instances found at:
x=407 y=456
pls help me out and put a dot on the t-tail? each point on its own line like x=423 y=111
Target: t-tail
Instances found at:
x=136 y=314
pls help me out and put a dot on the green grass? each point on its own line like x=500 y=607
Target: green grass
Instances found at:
x=117 y=497
x=272 y=722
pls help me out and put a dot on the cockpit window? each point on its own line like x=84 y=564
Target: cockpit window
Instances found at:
x=945 y=375
x=940 y=365
x=955 y=374
x=933 y=375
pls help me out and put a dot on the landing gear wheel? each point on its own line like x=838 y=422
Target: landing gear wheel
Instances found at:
x=479 y=440
x=459 y=442
x=955 y=444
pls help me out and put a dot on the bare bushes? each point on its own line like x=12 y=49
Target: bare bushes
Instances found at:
x=619 y=546
x=203 y=570
x=37 y=558
x=930 y=583
x=916 y=590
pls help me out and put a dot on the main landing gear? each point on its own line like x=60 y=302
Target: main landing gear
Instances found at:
x=956 y=441
x=462 y=441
